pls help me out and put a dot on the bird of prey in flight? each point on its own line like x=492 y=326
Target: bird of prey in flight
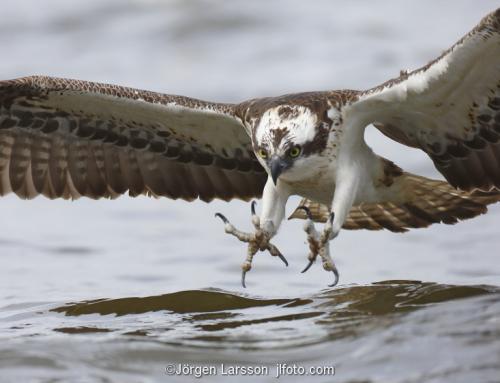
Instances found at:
x=68 y=139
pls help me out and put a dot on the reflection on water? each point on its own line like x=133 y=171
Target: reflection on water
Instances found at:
x=212 y=316
x=180 y=302
x=326 y=328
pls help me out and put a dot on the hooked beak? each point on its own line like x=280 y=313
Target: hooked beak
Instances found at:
x=277 y=165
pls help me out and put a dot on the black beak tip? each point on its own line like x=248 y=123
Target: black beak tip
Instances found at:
x=277 y=166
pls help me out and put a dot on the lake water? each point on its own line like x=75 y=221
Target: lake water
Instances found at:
x=120 y=291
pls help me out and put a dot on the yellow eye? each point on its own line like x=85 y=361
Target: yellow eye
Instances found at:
x=262 y=153
x=294 y=152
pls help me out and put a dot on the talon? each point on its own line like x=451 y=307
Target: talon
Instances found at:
x=255 y=217
x=274 y=251
x=307 y=210
x=243 y=273
x=282 y=257
x=319 y=244
x=252 y=207
x=224 y=219
x=258 y=240
x=244 y=268
x=311 y=237
x=308 y=266
x=336 y=277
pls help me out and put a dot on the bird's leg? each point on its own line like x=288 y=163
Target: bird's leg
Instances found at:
x=274 y=199
x=319 y=244
x=312 y=238
x=347 y=183
x=259 y=240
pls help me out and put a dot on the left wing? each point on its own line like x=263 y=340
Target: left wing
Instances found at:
x=70 y=138
x=449 y=108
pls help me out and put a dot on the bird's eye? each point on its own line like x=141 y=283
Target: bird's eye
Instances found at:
x=294 y=152
x=262 y=153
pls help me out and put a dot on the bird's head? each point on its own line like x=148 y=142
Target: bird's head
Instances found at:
x=287 y=138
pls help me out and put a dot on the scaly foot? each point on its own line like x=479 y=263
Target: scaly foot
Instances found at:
x=259 y=240
x=319 y=244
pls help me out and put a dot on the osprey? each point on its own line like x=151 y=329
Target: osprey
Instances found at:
x=67 y=139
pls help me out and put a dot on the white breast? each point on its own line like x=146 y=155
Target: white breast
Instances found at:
x=313 y=178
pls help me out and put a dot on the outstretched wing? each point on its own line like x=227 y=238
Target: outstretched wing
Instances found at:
x=69 y=138
x=450 y=108
x=411 y=202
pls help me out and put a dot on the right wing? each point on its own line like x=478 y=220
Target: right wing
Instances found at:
x=69 y=138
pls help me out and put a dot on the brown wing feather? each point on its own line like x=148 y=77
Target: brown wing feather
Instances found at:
x=424 y=203
x=40 y=154
x=69 y=138
x=450 y=108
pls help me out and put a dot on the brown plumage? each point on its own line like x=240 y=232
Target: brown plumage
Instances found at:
x=423 y=203
x=455 y=118
x=69 y=138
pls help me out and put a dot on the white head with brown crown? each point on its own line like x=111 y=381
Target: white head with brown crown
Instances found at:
x=289 y=140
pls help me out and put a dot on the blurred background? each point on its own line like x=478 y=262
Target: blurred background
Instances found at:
x=61 y=251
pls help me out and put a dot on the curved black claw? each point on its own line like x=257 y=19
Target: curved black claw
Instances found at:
x=331 y=217
x=308 y=266
x=282 y=257
x=243 y=274
x=252 y=207
x=224 y=219
x=306 y=209
x=335 y=271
